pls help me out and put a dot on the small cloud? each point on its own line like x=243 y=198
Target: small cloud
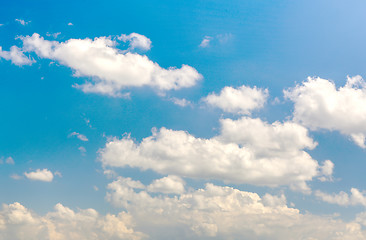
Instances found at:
x=82 y=150
x=10 y=160
x=54 y=35
x=70 y=24
x=44 y=175
x=181 y=102
x=79 y=136
x=1 y=24
x=220 y=39
x=16 y=176
x=87 y=121
x=136 y=41
x=57 y=173
x=205 y=42
x=21 y=21
x=96 y=188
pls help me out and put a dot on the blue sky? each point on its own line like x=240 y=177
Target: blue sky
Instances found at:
x=182 y=120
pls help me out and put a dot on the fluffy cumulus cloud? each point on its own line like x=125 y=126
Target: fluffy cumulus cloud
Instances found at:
x=44 y=175
x=216 y=212
x=19 y=223
x=136 y=41
x=169 y=184
x=110 y=69
x=356 y=197
x=16 y=56
x=246 y=151
x=319 y=104
x=241 y=100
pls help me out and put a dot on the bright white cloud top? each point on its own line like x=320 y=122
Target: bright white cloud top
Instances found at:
x=320 y=105
x=43 y=175
x=241 y=100
x=111 y=70
x=16 y=56
x=247 y=151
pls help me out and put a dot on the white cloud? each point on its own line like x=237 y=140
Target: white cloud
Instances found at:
x=220 y=39
x=16 y=56
x=181 y=102
x=18 y=222
x=54 y=35
x=70 y=24
x=82 y=150
x=205 y=42
x=344 y=199
x=247 y=151
x=79 y=136
x=9 y=160
x=169 y=184
x=136 y=41
x=44 y=175
x=22 y=22
x=241 y=100
x=320 y=105
x=223 y=213
x=111 y=70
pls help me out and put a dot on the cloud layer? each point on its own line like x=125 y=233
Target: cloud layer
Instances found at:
x=216 y=212
x=18 y=222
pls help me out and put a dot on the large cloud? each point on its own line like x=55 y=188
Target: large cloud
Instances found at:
x=247 y=151
x=217 y=212
x=241 y=100
x=19 y=223
x=111 y=69
x=320 y=105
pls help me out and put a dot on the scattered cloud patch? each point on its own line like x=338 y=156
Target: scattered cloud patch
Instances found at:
x=320 y=105
x=9 y=160
x=16 y=56
x=22 y=22
x=136 y=41
x=111 y=70
x=79 y=136
x=44 y=175
x=82 y=150
x=220 y=39
x=241 y=100
x=181 y=102
x=70 y=24
x=343 y=199
x=54 y=35
x=205 y=42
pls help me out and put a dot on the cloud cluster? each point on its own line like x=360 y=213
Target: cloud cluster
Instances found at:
x=217 y=212
x=247 y=151
x=18 y=222
x=241 y=100
x=344 y=199
x=320 y=105
x=16 y=56
x=110 y=69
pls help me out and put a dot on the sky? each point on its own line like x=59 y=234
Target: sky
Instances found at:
x=182 y=120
